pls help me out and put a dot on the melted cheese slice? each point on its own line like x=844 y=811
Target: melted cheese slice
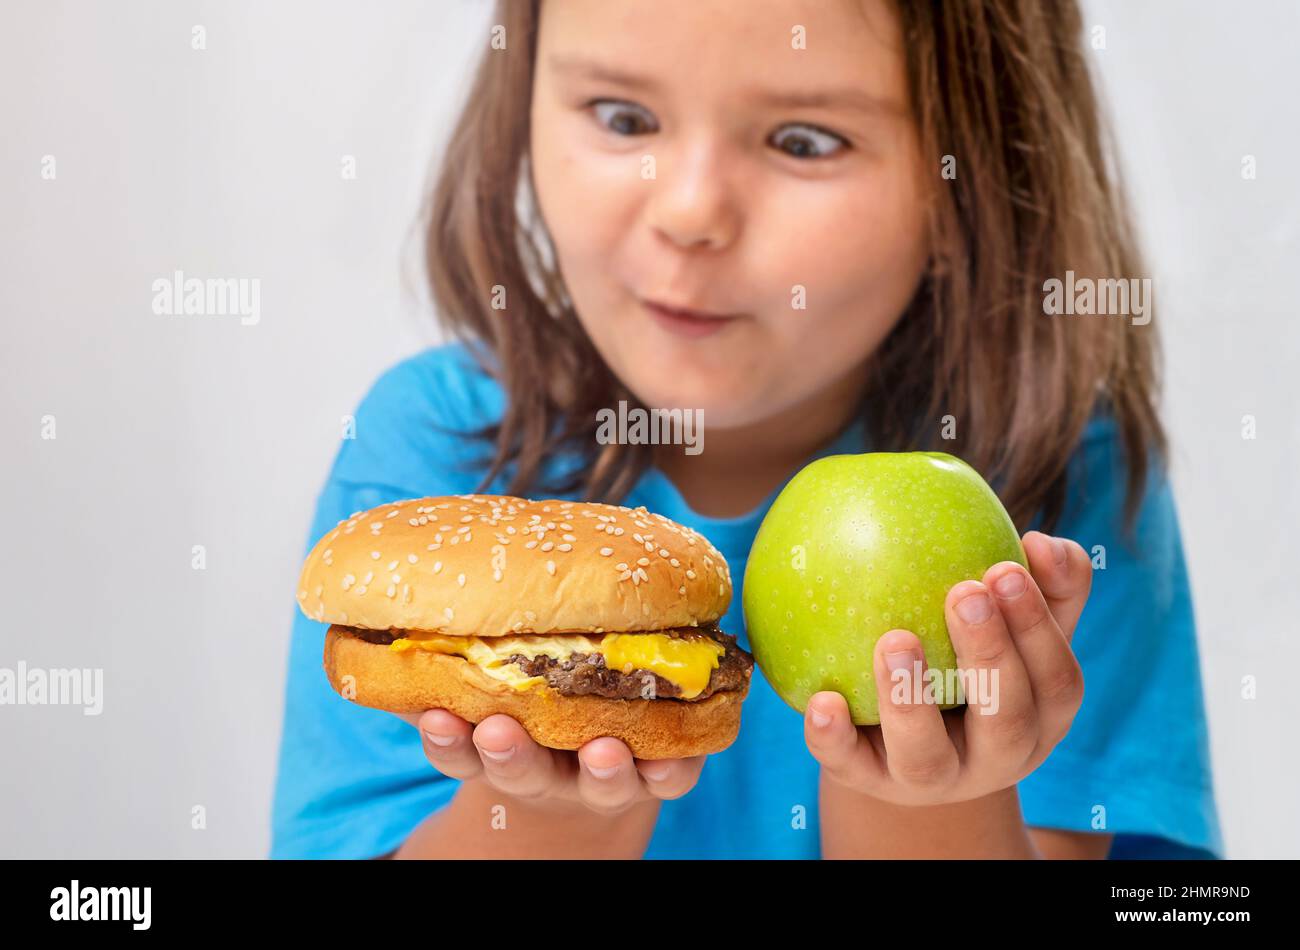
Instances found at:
x=686 y=661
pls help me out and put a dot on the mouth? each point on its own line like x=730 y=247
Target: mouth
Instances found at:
x=688 y=323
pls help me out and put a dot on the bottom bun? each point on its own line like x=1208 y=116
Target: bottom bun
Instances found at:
x=370 y=674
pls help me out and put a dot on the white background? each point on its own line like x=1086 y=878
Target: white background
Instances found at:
x=176 y=432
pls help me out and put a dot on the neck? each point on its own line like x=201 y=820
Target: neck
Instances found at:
x=740 y=467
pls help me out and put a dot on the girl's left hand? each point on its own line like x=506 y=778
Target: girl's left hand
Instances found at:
x=1014 y=622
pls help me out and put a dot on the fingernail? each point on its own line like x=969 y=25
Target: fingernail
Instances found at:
x=439 y=740
x=819 y=719
x=901 y=660
x=975 y=608
x=656 y=774
x=1058 y=552
x=501 y=756
x=603 y=773
x=1010 y=585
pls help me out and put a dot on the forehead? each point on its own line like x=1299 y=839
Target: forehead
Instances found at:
x=773 y=51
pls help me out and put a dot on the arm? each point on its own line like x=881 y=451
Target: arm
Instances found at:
x=989 y=827
x=855 y=825
x=482 y=822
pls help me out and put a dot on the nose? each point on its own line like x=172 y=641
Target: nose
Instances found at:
x=692 y=204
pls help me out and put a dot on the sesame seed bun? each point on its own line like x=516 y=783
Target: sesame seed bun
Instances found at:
x=372 y=675
x=493 y=565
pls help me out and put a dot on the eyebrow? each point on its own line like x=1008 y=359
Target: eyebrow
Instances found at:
x=847 y=97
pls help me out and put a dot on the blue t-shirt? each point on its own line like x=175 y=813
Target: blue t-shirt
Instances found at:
x=354 y=782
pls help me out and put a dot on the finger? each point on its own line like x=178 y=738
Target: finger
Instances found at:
x=513 y=762
x=843 y=751
x=918 y=752
x=447 y=743
x=608 y=781
x=1063 y=572
x=1053 y=672
x=1000 y=723
x=670 y=778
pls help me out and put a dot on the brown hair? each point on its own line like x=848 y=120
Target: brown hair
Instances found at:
x=1002 y=86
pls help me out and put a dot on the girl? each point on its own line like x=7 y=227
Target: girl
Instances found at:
x=828 y=226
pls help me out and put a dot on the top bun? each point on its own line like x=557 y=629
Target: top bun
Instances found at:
x=493 y=565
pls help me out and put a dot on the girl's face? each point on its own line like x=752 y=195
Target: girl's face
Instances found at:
x=754 y=159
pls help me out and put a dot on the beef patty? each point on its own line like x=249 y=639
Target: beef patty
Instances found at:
x=585 y=674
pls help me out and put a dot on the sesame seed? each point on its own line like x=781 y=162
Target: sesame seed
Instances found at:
x=376 y=555
x=362 y=589
x=618 y=531
x=690 y=575
x=328 y=552
x=446 y=612
x=569 y=537
x=530 y=545
x=643 y=561
x=681 y=590
x=466 y=519
x=674 y=562
x=496 y=575
x=392 y=564
x=376 y=525
x=620 y=567
x=370 y=575
x=412 y=558
x=348 y=581
x=625 y=575
x=550 y=567
x=397 y=578
x=548 y=545
x=392 y=513
x=437 y=566
x=391 y=590
x=649 y=546
x=460 y=579
x=606 y=552
x=636 y=577
x=663 y=552
x=565 y=547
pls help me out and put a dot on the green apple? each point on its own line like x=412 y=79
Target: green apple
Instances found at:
x=858 y=545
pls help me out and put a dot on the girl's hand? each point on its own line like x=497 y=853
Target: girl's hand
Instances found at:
x=601 y=776
x=1015 y=623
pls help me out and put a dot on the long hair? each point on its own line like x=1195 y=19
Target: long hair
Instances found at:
x=1002 y=93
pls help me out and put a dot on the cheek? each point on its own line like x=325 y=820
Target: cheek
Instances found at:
x=863 y=269
x=586 y=198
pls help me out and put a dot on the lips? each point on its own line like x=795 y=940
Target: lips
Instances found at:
x=687 y=322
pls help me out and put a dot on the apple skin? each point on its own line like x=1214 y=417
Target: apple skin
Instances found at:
x=855 y=546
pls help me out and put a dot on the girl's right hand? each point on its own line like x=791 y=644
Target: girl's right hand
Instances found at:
x=602 y=775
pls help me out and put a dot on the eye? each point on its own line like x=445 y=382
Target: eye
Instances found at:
x=807 y=141
x=622 y=118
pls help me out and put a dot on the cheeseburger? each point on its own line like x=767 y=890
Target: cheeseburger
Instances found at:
x=578 y=620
